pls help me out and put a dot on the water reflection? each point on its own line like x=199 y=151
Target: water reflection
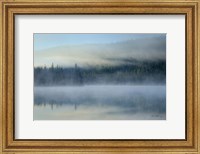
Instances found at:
x=100 y=103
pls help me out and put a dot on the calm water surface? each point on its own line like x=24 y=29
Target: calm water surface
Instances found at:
x=100 y=103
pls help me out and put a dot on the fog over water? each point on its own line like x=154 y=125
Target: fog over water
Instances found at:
x=99 y=76
x=100 y=102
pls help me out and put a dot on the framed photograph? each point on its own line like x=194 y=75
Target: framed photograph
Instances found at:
x=99 y=76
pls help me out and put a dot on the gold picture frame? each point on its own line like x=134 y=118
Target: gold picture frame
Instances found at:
x=9 y=8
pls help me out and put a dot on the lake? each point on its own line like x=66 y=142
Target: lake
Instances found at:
x=100 y=102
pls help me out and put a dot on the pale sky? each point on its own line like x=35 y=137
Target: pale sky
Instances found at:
x=96 y=49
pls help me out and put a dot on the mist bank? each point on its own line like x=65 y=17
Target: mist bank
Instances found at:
x=135 y=73
x=100 y=103
x=103 y=54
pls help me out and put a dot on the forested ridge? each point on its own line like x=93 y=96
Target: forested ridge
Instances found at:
x=140 y=72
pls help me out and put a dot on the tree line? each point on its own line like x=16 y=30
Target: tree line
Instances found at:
x=144 y=72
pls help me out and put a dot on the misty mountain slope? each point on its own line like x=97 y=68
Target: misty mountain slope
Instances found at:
x=103 y=54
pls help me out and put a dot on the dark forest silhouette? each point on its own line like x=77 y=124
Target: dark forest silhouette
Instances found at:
x=144 y=72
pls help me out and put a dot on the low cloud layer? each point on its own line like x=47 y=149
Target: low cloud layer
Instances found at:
x=103 y=54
